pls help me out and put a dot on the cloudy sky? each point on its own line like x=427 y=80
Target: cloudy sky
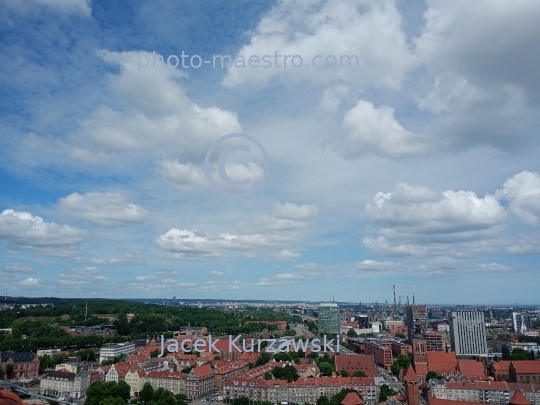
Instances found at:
x=416 y=166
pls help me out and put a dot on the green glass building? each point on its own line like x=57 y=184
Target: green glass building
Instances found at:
x=329 y=318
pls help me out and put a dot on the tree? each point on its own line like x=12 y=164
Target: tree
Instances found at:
x=9 y=371
x=433 y=374
x=322 y=400
x=186 y=370
x=385 y=392
x=147 y=393
x=113 y=401
x=402 y=361
x=359 y=373
x=180 y=399
x=344 y=373
x=340 y=396
x=241 y=401
x=288 y=373
x=401 y=336
x=505 y=352
x=326 y=368
x=268 y=375
x=351 y=333
x=263 y=359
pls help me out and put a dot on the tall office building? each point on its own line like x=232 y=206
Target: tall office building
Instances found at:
x=416 y=320
x=363 y=321
x=468 y=333
x=522 y=321
x=329 y=318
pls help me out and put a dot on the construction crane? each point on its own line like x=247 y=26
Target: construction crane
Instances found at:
x=413 y=298
x=400 y=297
x=394 y=296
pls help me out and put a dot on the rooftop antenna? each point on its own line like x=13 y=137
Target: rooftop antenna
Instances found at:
x=394 y=296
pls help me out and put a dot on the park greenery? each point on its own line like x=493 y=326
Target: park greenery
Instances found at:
x=385 y=392
x=39 y=327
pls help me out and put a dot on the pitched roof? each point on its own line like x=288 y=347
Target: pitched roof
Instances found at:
x=60 y=374
x=438 y=401
x=441 y=361
x=202 y=371
x=410 y=375
x=492 y=385
x=166 y=374
x=502 y=365
x=352 y=398
x=421 y=369
x=18 y=357
x=527 y=366
x=471 y=368
x=461 y=386
x=356 y=362
x=519 y=399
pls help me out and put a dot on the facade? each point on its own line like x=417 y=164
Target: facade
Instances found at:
x=358 y=362
x=64 y=384
x=412 y=388
x=363 y=321
x=521 y=321
x=468 y=333
x=135 y=380
x=25 y=364
x=329 y=321
x=303 y=390
x=228 y=370
x=525 y=371
x=416 y=320
x=434 y=341
x=200 y=382
x=486 y=392
x=109 y=351
x=50 y=352
x=174 y=382
x=381 y=351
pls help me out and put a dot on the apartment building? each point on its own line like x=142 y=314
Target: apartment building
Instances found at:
x=112 y=350
x=200 y=382
x=227 y=369
x=135 y=379
x=468 y=333
x=171 y=381
x=381 y=351
x=64 y=384
x=417 y=318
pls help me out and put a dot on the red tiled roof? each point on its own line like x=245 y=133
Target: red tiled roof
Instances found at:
x=352 y=398
x=421 y=369
x=519 y=399
x=7 y=397
x=461 y=386
x=203 y=371
x=410 y=375
x=527 y=387
x=527 y=366
x=502 y=365
x=441 y=361
x=493 y=385
x=357 y=362
x=471 y=368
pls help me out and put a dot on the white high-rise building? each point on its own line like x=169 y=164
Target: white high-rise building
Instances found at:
x=468 y=333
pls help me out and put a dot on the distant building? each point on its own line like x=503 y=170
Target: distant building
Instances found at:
x=50 y=352
x=113 y=350
x=64 y=384
x=468 y=333
x=97 y=330
x=363 y=321
x=521 y=321
x=416 y=320
x=329 y=321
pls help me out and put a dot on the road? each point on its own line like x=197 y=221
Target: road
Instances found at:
x=390 y=381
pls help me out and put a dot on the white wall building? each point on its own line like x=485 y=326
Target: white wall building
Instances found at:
x=113 y=350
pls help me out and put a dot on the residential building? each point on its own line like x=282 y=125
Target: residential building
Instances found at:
x=468 y=333
x=381 y=351
x=434 y=341
x=112 y=350
x=49 y=352
x=228 y=369
x=135 y=379
x=329 y=321
x=97 y=330
x=521 y=321
x=171 y=381
x=64 y=384
x=200 y=382
x=363 y=321
x=25 y=364
x=493 y=392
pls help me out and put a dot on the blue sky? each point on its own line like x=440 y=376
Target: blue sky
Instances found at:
x=417 y=168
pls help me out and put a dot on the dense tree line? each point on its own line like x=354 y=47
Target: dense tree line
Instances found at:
x=41 y=324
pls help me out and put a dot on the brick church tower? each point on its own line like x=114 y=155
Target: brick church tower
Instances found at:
x=412 y=389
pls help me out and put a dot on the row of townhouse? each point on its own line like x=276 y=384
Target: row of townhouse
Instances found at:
x=489 y=392
x=304 y=390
